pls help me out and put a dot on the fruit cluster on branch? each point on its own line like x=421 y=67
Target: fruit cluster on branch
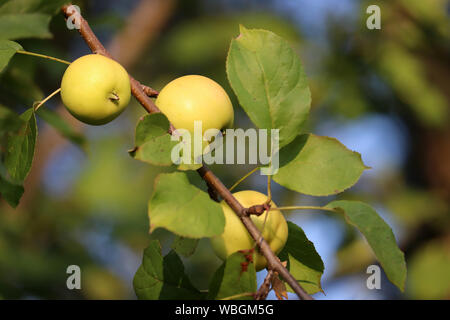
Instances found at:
x=142 y=93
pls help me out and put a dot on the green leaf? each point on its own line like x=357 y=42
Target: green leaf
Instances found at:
x=32 y=6
x=29 y=25
x=304 y=263
x=235 y=276
x=10 y=192
x=7 y=51
x=318 y=166
x=268 y=79
x=379 y=236
x=154 y=144
x=20 y=152
x=183 y=209
x=184 y=246
x=10 y=124
x=53 y=119
x=163 y=278
x=152 y=141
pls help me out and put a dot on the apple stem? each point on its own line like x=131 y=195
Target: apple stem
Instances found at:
x=269 y=189
x=42 y=56
x=46 y=99
x=243 y=178
x=304 y=208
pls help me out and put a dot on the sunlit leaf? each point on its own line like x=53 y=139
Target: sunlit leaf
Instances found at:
x=162 y=278
x=379 y=236
x=182 y=208
x=304 y=263
x=268 y=79
x=235 y=277
x=7 y=51
x=318 y=166
x=152 y=141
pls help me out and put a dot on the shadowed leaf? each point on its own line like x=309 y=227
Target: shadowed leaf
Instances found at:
x=162 y=278
x=10 y=192
x=304 y=263
x=184 y=246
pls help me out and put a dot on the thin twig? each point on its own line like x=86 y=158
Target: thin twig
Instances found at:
x=46 y=99
x=207 y=175
x=264 y=289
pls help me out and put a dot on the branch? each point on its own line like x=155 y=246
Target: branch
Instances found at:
x=264 y=289
x=212 y=181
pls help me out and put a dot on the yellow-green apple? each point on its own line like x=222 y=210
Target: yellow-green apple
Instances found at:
x=236 y=237
x=95 y=89
x=193 y=97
